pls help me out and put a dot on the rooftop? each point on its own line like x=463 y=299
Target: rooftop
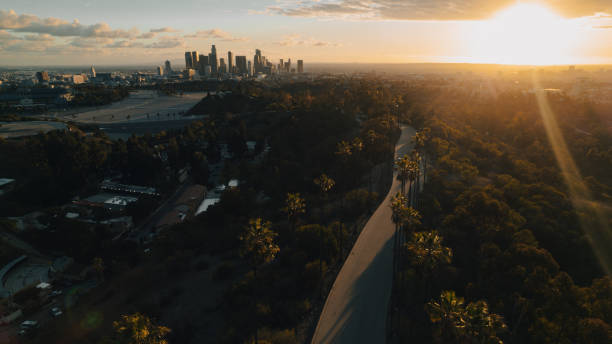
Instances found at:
x=5 y=181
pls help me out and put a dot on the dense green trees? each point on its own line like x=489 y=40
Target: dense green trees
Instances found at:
x=495 y=195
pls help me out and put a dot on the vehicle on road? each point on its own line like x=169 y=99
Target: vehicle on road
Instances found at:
x=28 y=324
x=56 y=312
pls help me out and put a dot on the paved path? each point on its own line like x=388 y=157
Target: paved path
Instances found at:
x=356 y=307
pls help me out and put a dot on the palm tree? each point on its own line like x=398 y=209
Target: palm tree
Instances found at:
x=426 y=253
x=458 y=323
x=259 y=246
x=413 y=175
x=344 y=149
x=258 y=243
x=401 y=215
x=420 y=140
x=448 y=313
x=482 y=326
x=402 y=166
x=294 y=205
x=325 y=183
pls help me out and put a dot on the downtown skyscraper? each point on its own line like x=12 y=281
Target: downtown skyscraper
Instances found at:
x=212 y=59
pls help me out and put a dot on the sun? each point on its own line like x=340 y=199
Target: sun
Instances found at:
x=524 y=34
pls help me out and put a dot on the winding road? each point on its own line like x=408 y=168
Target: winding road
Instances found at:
x=356 y=307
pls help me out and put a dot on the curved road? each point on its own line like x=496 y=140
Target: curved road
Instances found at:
x=356 y=307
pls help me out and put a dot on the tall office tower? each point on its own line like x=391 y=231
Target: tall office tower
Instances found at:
x=281 y=65
x=230 y=62
x=168 y=68
x=222 y=67
x=200 y=65
x=257 y=61
x=249 y=68
x=212 y=59
x=194 y=59
x=188 y=60
x=160 y=70
x=203 y=64
x=241 y=64
x=300 y=66
x=93 y=72
x=288 y=65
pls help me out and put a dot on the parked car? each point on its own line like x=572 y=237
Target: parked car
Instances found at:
x=28 y=324
x=56 y=312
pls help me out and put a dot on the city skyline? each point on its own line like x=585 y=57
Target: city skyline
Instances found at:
x=65 y=32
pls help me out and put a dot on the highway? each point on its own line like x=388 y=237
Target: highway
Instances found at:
x=356 y=308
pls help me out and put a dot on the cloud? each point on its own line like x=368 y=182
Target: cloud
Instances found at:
x=297 y=40
x=164 y=30
x=426 y=9
x=125 y=44
x=147 y=35
x=7 y=36
x=9 y=20
x=217 y=34
x=80 y=42
x=166 y=43
x=603 y=27
x=43 y=37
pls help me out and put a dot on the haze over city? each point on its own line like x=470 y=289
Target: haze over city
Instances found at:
x=113 y=32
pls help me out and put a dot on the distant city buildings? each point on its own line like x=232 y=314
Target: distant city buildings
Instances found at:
x=188 y=60
x=241 y=65
x=42 y=76
x=230 y=62
x=167 y=68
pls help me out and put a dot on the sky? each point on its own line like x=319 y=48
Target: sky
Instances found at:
x=138 y=32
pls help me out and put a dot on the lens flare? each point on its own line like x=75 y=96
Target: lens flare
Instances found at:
x=592 y=217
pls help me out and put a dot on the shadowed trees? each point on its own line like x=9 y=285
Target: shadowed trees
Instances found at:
x=259 y=247
x=466 y=324
x=139 y=329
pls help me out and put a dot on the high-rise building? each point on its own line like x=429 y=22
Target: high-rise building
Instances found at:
x=230 y=62
x=203 y=64
x=300 y=66
x=222 y=66
x=188 y=60
x=93 y=72
x=167 y=68
x=249 y=68
x=241 y=65
x=160 y=70
x=194 y=60
x=212 y=59
x=257 y=61
x=42 y=76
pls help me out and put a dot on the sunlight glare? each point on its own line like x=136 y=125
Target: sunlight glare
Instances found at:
x=525 y=34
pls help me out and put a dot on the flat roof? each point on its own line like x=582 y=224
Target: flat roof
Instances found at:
x=5 y=181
